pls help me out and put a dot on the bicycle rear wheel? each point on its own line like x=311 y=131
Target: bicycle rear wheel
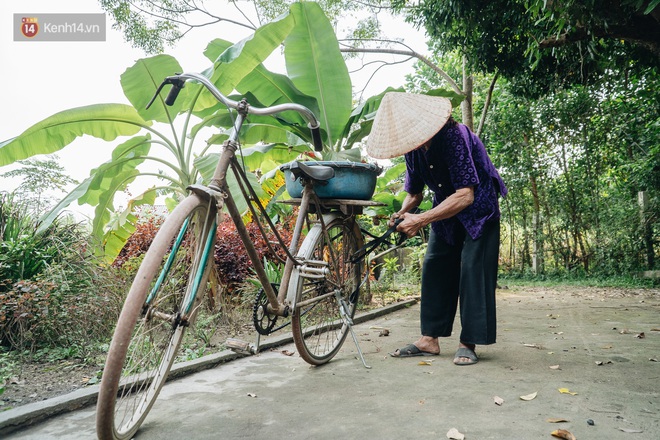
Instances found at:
x=317 y=324
x=160 y=305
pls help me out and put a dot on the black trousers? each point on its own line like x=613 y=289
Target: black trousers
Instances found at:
x=464 y=273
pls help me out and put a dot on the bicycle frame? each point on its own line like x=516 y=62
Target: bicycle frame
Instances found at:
x=218 y=192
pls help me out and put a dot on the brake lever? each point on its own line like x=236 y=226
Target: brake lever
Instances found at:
x=177 y=85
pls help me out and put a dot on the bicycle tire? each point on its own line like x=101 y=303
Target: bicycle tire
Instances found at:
x=317 y=325
x=151 y=326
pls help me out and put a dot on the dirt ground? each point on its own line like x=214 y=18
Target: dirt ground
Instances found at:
x=36 y=382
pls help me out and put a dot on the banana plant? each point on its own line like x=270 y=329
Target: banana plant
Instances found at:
x=316 y=76
x=167 y=138
x=162 y=142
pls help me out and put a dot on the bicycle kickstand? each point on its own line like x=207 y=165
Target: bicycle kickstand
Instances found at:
x=349 y=322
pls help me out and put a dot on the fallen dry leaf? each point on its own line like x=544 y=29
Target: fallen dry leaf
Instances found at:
x=251 y=395
x=453 y=434
x=555 y=367
x=640 y=335
x=625 y=331
x=533 y=346
x=566 y=391
x=603 y=362
x=562 y=433
x=287 y=353
x=556 y=420
x=631 y=431
x=653 y=359
x=498 y=401
x=384 y=332
x=655 y=329
x=425 y=363
x=606 y=347
x=529 y=396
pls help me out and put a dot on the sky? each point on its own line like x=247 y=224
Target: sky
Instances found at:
x=44 y=77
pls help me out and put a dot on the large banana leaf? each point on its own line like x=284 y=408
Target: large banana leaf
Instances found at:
x=240 y=59
x=271 y=88
x=123 y=225
x=104 y=121
x=141 y=81
x=317 y=68
x=206 y=166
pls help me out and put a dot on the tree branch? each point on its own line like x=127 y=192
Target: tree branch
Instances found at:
x=408 y=53
x=489 y=96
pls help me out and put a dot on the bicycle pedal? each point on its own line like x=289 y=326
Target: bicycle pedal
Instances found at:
x=240 y=346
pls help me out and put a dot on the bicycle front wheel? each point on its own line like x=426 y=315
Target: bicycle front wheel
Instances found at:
x=160 y=305
x=327 y=282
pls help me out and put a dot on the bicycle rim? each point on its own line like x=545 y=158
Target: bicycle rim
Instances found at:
x=157 y=311
x=318 y=328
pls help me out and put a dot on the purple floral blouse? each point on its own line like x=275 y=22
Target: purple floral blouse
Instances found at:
x=456 y=159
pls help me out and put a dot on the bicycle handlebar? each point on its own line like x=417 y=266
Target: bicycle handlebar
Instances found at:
x=178 y=82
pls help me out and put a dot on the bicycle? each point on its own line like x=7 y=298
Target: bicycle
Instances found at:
x=319 y=289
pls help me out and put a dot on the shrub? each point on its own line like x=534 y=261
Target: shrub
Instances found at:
x=232 y=262
x=231 y=259
x=52 y=290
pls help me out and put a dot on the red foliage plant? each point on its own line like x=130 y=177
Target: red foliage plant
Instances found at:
x=231 y=259
x=140 y=240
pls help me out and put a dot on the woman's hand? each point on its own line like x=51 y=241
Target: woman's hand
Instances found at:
x=409 y=224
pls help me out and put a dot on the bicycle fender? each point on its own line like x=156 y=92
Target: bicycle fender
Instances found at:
x=309 y=240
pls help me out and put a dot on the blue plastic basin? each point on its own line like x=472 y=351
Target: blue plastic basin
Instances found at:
x=353 y=180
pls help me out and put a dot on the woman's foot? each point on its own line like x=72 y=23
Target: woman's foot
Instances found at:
x=424 y=346
x=465 y=355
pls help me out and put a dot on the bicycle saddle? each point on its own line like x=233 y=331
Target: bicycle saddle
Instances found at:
x=318 y=173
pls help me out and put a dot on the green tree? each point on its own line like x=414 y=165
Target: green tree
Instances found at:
x=37 y=178
x=542 y=45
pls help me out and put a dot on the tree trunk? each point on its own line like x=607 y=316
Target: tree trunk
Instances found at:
x=466 y=105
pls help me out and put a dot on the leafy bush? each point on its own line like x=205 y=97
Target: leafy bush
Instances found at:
x=140 y=240
x=231 y=260
x=52 y=291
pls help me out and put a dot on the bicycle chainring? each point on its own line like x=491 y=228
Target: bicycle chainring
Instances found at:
x=263 y=321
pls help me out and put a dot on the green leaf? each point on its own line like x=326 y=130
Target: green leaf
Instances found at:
x=206 y=166
x=141 y=81
x=267 y=157
x=104 y=121
x=205 y=100
x=317 y=68
x=47 y=219
x=235 y=62
x=273 y=88
x=455 y=98
x=122 y=226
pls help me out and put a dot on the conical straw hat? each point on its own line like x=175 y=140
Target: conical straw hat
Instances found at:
x=405 y=121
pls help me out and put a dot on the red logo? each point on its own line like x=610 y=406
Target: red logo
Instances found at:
x=29 y=26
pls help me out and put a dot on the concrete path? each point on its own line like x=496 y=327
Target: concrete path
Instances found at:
x=588 y=343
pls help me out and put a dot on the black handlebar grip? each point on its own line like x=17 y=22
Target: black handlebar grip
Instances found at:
x=316 y=137
x=174 y=92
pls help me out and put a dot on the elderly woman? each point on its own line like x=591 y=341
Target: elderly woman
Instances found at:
x=460 y=265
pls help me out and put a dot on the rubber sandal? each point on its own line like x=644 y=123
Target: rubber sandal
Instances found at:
x=411 y=350
x=464 y=352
